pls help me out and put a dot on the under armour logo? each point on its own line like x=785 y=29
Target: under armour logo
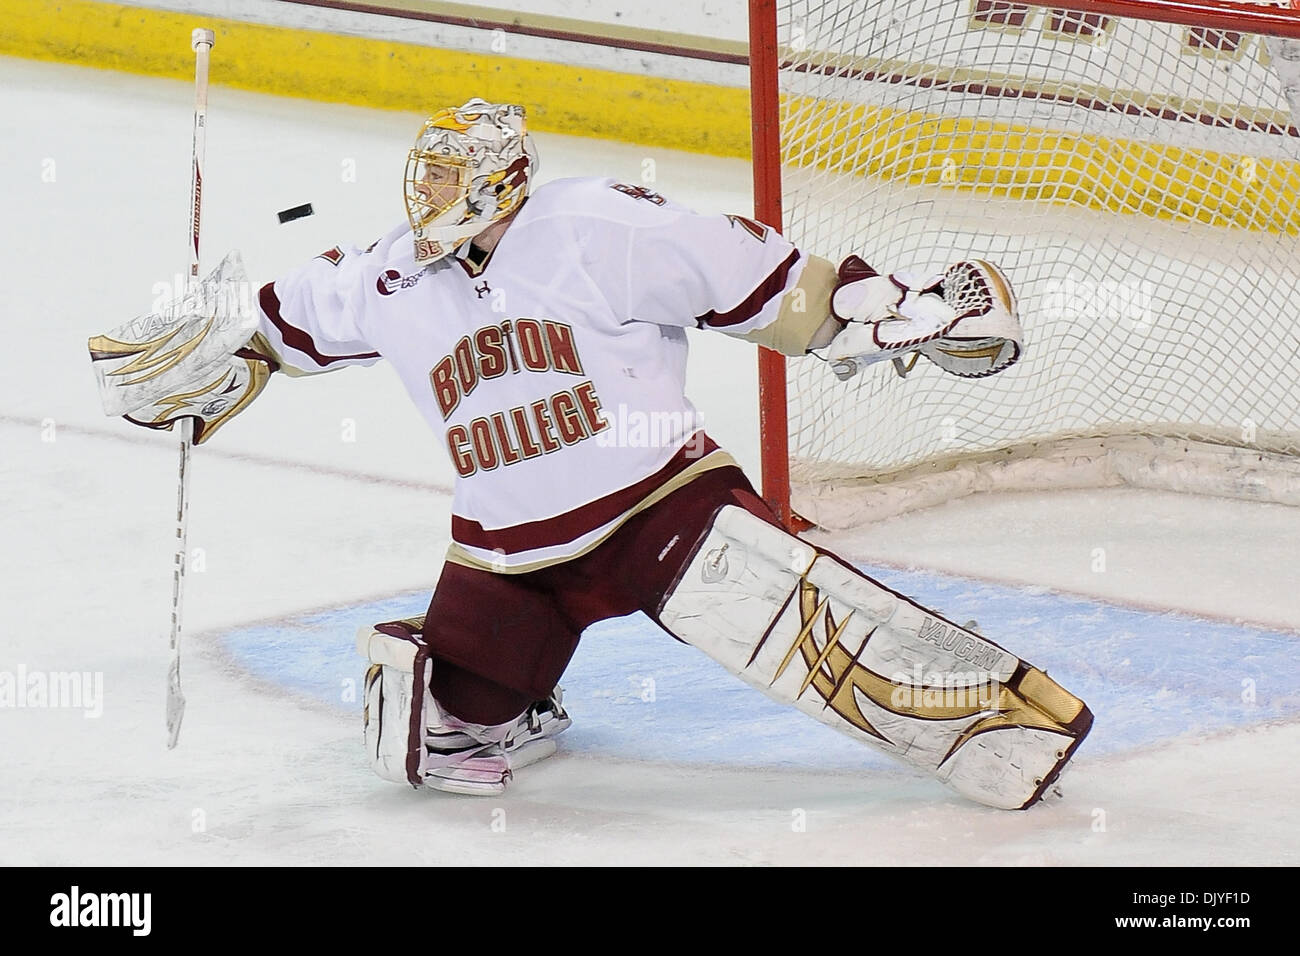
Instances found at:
x=483 y=289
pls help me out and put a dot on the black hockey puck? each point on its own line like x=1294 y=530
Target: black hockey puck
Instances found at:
x=297 y=212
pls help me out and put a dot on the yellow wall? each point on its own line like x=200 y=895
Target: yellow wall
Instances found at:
x=978 y=156
x=378 y=73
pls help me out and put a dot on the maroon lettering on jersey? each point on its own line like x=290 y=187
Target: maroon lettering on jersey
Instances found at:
x=568 y=420
x=545 y=428
x=559 y=342
x=755 y=229
x=427 y=249
x=466 y=367
x=639 y=192
x=509 y=454
x=442 y=378
x=459 y=445
x=527 y=446
x=485 y=450
x=507 y=330
x=332 y=256
x=523 y=432
x=491 y=351
x=590 y=405
x=532 y=345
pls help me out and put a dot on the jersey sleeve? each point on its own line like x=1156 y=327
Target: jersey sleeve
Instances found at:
x=672 y=266
x=312 y=316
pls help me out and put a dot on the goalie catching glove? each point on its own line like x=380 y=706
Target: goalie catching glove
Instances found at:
x=199 y=358
x=965 y=320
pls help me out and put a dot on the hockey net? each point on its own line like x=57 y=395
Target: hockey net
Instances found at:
x=1135 y=171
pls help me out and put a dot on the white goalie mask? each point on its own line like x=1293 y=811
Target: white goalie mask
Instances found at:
x=470 y=167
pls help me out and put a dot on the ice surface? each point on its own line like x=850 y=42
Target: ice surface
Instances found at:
x=1184 y=643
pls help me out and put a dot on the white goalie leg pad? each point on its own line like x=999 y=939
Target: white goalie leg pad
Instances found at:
x=808 y=631
x=410 y=739
x=397 y=704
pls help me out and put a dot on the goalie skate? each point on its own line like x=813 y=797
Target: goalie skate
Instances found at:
x=410 y=739
x=474 y=759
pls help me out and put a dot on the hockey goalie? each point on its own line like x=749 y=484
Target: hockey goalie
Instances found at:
x=522 y=320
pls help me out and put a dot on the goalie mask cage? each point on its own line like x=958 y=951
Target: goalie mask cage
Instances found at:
x=1134 y=168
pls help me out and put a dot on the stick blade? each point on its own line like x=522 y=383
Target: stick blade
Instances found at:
x=175 y=703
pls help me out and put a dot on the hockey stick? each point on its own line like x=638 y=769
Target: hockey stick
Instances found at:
x=202 y=41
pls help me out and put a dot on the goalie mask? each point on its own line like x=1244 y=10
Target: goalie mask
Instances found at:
x=470 y=167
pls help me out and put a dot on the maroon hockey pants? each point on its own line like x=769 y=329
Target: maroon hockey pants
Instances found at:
x=501 y=641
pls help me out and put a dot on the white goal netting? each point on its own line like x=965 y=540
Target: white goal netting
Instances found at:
x=1137 y=181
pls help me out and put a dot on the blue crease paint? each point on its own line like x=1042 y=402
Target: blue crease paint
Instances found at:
x=635 y=693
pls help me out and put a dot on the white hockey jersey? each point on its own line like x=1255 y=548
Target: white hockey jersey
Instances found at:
x=553 y=372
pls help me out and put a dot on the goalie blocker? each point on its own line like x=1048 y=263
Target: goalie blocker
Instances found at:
x=200 y=357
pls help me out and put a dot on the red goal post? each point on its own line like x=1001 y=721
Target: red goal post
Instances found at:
x=1068 y=120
